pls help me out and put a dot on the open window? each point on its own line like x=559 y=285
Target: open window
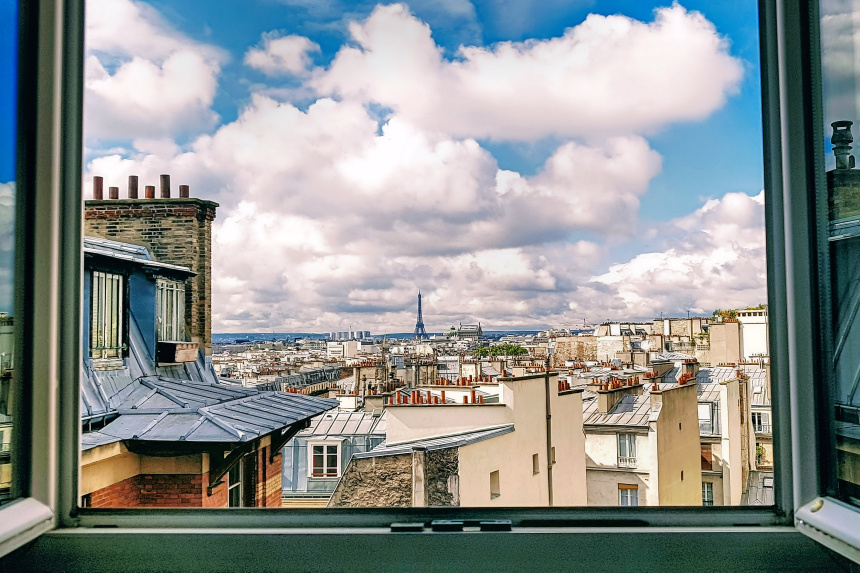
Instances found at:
x=47 y=493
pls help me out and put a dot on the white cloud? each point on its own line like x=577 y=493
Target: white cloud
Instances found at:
x=330 y=218
x=322 y=215
x=142 y=78
x=281 y=54
x=610 y=74
x=715 y=258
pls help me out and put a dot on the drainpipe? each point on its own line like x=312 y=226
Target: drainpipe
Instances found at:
x=548 y=435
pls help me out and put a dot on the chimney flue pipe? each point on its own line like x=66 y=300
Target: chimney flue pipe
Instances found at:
x=150 y=191
x=184 y=192
x=113 y=192
x=132 y=186
x=98 y=188
x=165 y=186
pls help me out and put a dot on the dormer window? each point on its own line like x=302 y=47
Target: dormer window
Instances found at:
x=170 y=305
x=106 y=316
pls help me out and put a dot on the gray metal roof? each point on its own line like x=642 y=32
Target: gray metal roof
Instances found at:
x=347 y=424
x=757 y=376
x=437 y=443
x=127 y=252
x=236 y=420
x=92 y=440
x=631 y=410
x=672 y=356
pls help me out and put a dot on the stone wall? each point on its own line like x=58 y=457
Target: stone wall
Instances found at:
x=442 y=471
x=578 y=348
x=383 y=481
x=176 y=231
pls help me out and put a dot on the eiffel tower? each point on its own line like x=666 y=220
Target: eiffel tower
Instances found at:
x=419 y=326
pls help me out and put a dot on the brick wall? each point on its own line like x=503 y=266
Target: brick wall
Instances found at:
x=176 y=231
x=121 y=494
x=153 y=490
x=219 y=493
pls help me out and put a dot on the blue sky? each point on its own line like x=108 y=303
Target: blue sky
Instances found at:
x=522 y=163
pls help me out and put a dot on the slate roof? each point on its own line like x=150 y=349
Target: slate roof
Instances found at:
x=437 y=443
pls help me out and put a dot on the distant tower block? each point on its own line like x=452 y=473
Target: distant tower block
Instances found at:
x=419 y=326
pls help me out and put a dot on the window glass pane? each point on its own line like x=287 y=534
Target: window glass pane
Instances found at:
x=840 y=53
x=8 y=86
x=420 y=234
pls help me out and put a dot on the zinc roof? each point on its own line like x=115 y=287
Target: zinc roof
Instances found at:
x=631 y=410
x=437 y=443
x=127 y=252
x=238 y=420
x=347 y=424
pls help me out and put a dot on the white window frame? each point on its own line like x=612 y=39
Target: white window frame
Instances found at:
x=626 y=446
x=325 y=444
x=107 y=315
x=49 y=428
x=170 y=310
x=627 y=494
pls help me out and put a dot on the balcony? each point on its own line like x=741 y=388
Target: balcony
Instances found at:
x=763 y=429
x=626 y=462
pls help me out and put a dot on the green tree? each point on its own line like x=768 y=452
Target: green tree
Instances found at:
x=508 y=349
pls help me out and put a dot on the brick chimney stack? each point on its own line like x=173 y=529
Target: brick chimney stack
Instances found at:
x=176 y=231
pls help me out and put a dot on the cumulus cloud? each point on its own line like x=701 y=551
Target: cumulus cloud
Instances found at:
x=143 y=79
x=609 y=74
x=714 y=258
x=323 y=212
x=331 y=216
x=281 y=54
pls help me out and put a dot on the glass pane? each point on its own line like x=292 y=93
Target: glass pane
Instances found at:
x=8 y=86
x=408 y=207
x=840 y=59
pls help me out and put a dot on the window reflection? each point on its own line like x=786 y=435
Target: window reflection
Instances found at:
x=840 y=33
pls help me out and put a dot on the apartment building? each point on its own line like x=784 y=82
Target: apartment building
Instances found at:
x=642 y=440
x=526 y=449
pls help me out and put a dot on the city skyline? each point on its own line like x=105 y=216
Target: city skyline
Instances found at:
x=556 y=168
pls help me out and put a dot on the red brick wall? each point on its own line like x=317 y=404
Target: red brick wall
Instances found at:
x=169 y=490
x=161 y=490
x=219 y=493
x=120 y=494
x=274 y=485
x=190 y=490
x=268 y=491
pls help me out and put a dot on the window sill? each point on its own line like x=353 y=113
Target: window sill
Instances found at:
x=22 y=521
x=375 y=549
